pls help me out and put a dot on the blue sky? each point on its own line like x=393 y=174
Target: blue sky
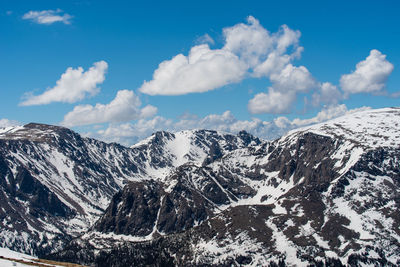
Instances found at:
x=182 y=64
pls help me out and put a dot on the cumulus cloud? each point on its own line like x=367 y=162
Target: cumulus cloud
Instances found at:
x=272 y=65
x=249 y=49
x=282 y=94
x=130 y=133
x=270 y=56
x=203 y=70
x=253 y=43
x=205 y=39
x=124 y=107
x=292 y=78
x=370 y=75
x=327 y=94
x=250 y=41
x=48 y=16
x=74 y=85
x=8 y=123
x=274 y=102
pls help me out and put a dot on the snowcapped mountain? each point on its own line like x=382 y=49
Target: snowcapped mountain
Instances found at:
x=55 y=184
x=327 y=194
x=323 y=194
x=164 y=151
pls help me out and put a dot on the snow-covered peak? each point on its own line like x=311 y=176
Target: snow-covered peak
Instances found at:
x=193 y=146
x=368 y=128
x=8 y=130
x=34 y=132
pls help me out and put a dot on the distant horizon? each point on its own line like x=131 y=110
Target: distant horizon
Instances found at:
x=119 y=72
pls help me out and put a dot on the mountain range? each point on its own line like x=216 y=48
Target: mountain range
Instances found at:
x=327 y=194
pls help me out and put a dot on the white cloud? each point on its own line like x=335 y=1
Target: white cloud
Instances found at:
x=274 y=102
x=124 y=107
x=286 y=38
x=370 y=75
x=250 y=41
x=215 y=121
x=203 y=70
x=282 y=94
x=130 y=133
x=292 y=78
x=205 y=39
x=279 y=56
x=148 y=111
x=328 y=94
x=248 y=47
x=48 y=16
x=8 y=123
x=283 y=123
x=250 y=50
x=270 y=55
x=74 y=85
x=395 y=94
x=274 y=63
x=253 y=43
x=287 y=80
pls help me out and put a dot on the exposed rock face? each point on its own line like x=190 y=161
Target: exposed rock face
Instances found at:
x=146 y=209
x=132 y=210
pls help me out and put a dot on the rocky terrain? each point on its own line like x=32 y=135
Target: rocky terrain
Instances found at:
x=55 y=183
x=327 y=194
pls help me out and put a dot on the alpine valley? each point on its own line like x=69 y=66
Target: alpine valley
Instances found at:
x=322 y=195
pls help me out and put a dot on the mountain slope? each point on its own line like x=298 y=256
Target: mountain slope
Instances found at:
x=325 y=194
x=55 y=184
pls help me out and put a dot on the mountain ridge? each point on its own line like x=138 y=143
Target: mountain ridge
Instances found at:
x=323 y=194
x=80 y=175
x=318 y=200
